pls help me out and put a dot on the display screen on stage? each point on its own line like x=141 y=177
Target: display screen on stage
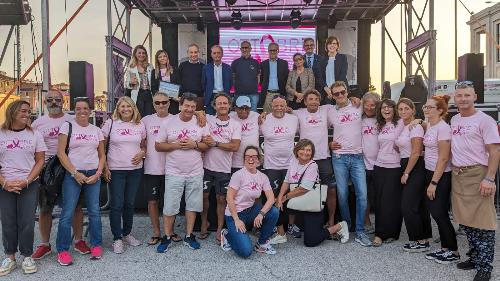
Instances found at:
x=290 y=41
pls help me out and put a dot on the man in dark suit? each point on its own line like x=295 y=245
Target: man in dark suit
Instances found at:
x=274 y=73
x=314 y=62
x=216 y=77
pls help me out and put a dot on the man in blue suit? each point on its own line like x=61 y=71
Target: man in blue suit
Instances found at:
x=215 y=77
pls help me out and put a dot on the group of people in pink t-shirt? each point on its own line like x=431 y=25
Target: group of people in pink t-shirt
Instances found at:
x=400 y=167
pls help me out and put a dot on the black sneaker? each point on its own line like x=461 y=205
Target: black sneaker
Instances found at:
x=466 y=265
x=435 y=254
x=165 y=243
x=416 y=247
x=447 y=258
x=190 y=242
x=482 y=276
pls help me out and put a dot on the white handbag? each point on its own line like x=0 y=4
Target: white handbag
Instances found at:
x=312 y=201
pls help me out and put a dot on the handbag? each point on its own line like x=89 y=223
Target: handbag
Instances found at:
x=312 y=201
x=53 y=172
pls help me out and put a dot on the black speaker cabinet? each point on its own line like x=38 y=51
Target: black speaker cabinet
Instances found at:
x=415 y=90
x=471 y=68
x=81 y=82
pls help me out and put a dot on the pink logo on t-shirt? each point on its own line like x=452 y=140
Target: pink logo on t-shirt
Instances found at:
x=246 y=127
x=280 y=130
x=369 y=130
x=14 y=144
x=154 y=130
x=295 y=177
x=254 y=186
x=387 y=130
x=54 y=132
x=348 y=117
x=217 y=131
x=459 y=130
x=124 y=132
x=183 y=134
x=313 y=120
x=82 y=137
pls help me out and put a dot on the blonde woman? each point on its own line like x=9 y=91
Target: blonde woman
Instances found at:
x=165 y=72
x=125 y=135
x=138 y=81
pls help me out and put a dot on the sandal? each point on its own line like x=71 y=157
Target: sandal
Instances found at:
x=154 y=240
x=204 y=236
x=377 y=242
x=176 y=238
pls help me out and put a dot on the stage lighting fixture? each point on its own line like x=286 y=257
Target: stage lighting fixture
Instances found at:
x=231 y=2
x=307 y=2
x=295 y=18
x=236 y=20
x=200 y=26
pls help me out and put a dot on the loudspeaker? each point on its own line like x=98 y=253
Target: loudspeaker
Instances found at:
x=81 y=82
x=386 y=91
x=170 y=39
x=471 y=68
x=415 y=90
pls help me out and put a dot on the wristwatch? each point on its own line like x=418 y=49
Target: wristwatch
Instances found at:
x=262 y=213
x=434 y=183
x=73 y=174
x=489 y=180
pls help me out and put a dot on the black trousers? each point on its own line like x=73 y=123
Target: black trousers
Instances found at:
x=145 y=102
x=18 y=219
x=388 y=216
x=314 y=233
x=370 y=189
x=415 y=213
x=439 y=208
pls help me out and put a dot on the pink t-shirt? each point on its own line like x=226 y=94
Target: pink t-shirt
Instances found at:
x=369 y=139
x=314 y=126
x=404 y=139
x=216 y=159
x=186 y=163
x=295 y=171
x=249 y=187
x=154 y=164
x=125 y=143
x=346 y=123
x=249 y=136
x=49 y=128
x=83 y=145
x=388 y=156
x=17 y=152
x=469 y=137
x=439 y=132
x=279 y=135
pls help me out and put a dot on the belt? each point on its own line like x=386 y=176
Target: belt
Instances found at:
x=467 y=167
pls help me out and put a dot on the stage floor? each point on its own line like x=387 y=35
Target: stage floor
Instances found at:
x=329 y=261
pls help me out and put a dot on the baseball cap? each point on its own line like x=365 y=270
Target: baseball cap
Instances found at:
x=243 y=101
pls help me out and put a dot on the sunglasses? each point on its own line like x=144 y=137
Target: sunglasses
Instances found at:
x=464 y=84
x=251 y=157
x=49 y=100
x=279 y=97
x=165 y=102
x=336 y=94
x=428 y=107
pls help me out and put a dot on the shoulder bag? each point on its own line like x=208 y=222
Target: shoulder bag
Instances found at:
x=312 y=201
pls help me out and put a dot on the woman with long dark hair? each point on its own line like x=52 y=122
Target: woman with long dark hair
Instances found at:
x=300 y=81
x=387 y=176
x=22 y=153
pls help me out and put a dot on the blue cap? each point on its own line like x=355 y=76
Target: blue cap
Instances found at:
x=243 y=101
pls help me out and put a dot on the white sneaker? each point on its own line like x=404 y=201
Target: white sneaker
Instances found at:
x=7 y=266
x=278 y=239
x=129 y=239
x=118 y=246
x=343 y=232
x=265 y=248
x=29 y=265
x=224 y=244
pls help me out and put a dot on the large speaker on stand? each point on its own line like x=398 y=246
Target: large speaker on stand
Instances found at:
x=415 y=90
x=471 y=68
x=81 y=82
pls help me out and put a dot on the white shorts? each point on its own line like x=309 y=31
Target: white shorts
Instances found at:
x=175 y=186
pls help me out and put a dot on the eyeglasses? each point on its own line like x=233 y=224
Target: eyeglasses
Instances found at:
x=164 y=102
x=428 y=107
x=273 y=51
x=464 y=84
x=336 y=94
x=251 y=157
x=49 y=100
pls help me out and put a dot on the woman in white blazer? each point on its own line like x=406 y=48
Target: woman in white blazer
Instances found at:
x=138 y=81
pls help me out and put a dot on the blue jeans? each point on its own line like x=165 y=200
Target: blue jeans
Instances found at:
x=254 y=100
x=345 y=165
x=123 y=186
x=241 y=242
x=70 y=194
